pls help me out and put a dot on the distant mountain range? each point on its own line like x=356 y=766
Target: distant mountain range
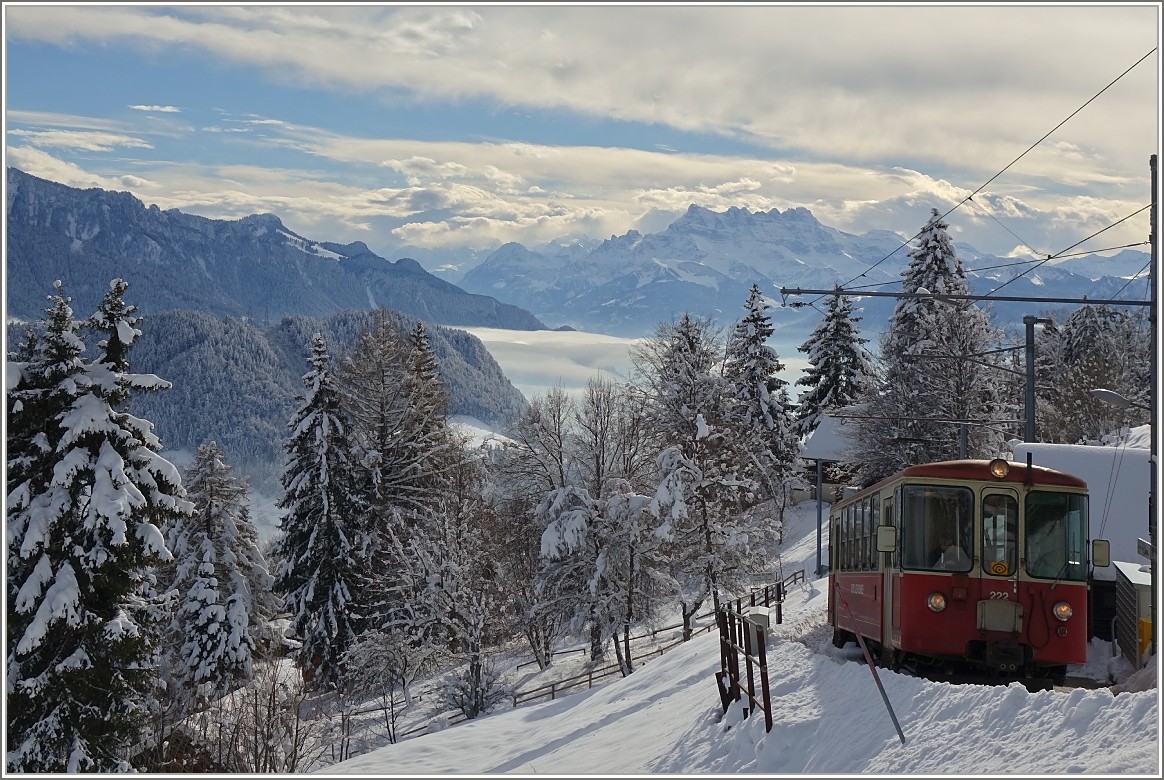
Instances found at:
x=252 y=268
x=706 y=261
x=231 y=305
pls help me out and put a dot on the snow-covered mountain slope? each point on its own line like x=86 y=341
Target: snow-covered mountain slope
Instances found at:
x=254 y=267
x=828 y=717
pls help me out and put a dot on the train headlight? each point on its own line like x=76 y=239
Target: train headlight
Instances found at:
x=937 y=602
x=999 y=468
x=1062 y=610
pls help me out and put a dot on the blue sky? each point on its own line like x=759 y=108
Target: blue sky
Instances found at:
x=442 y=126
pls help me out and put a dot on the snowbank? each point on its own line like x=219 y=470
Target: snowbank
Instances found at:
x=829 y=717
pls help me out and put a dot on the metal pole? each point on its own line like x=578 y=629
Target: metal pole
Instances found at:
x=962 y=441
x=872 y=667
x=1152 y=322
x=819 y=511
x=1029 y=321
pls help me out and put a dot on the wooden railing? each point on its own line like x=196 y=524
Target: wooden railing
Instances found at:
x=743 y=633
x=766 y=596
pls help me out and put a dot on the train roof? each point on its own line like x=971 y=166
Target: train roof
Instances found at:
x=977 y=470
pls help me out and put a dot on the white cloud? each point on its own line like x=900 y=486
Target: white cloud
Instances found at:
x=158 y=109
x=43 y=165
x=90 y=141
x=454 y=193
x=965 y=87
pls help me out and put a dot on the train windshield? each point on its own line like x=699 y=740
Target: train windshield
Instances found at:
x=1056 y=535
x=937 y=528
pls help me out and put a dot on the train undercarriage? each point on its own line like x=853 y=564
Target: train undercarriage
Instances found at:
x=985 y=663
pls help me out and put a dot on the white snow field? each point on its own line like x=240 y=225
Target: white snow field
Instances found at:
x=828 y=716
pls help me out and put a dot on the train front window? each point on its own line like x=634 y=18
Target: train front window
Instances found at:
x=1056 y=535
x=999 y=534
x=937 y=528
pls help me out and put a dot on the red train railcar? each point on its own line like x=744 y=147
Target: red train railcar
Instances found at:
x=966 y=565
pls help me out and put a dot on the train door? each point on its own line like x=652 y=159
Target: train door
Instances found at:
x=999 y=569
x=887 y=561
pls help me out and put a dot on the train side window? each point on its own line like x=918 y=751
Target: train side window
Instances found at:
x=887 y=518
x=859 y=536
x=874 y=521
x=833 y=536
x=937 y=528
x=844 y=538
x=849 y=538
x=866 y=527
x=870 y=533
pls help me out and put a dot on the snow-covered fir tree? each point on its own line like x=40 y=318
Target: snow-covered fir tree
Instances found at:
x=703 y=488
x=932 y=370
x=322 y=552
x=1094 y=347
x=87 y=492
x=839 y=369
x=392 y=392
x=225 y=604
x=759 y=410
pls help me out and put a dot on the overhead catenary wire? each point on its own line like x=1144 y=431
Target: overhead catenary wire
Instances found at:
x=1030 y=261
x=1077 y=243
x=1004 y=227
x=1112 y=477
x=1132 y=278
x=1004 y=169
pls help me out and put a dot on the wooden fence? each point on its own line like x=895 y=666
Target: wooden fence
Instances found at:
x=743 y=632
x=766 y=596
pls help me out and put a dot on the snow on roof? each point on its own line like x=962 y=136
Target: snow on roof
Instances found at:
x=831 y=439
x=1137 y=574
x=1117 y=487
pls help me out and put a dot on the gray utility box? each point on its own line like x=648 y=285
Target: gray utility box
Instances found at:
x=758 y=619
x=1133 y=628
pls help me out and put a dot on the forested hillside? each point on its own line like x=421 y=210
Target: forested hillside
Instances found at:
x=235 y=382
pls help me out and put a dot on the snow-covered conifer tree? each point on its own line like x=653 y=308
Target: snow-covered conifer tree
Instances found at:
x=703 y=487
x=225 y=603
x=759 y=412
x=323 y=547
x=1095 y=347
x=839 y=369
x=392 y=391
x=87 y=494
x=933 y=376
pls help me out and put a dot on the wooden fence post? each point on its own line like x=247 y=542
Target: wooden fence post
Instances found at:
x=748 y=630
x=764 y=682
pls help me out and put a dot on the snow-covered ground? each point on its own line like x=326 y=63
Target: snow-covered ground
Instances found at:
x=828 y=715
